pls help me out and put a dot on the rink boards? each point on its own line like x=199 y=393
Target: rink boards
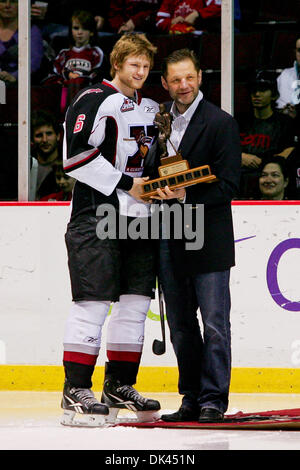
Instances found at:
x=265 y=315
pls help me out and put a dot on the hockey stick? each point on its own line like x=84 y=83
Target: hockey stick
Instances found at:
x=159 y=347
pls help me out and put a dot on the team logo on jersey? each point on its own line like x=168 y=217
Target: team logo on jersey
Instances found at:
x=135 y=162
x=76 y=63
x=144 y=143
x=128 y=105
x=149 y=109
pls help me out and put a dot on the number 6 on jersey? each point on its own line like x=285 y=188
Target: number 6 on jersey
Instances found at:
x=79 y=123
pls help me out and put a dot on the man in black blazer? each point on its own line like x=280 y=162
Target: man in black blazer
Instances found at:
x=199 y=278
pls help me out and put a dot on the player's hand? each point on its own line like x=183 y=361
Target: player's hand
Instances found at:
x=137 y=188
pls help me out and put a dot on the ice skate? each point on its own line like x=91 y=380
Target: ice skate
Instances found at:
x=81 y=408
x=117 y=397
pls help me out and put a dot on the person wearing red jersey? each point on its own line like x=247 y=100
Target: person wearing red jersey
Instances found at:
x=133 y=15
x=184 y=16
x=82 y=59
x=83 y=63
x=65 y=185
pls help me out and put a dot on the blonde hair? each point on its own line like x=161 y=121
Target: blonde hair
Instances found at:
x=131 y=44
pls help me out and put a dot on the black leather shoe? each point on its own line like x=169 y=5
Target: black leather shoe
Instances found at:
x=183 y=414
x=210 y=415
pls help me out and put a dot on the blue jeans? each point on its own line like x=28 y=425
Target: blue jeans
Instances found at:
x=204 y=359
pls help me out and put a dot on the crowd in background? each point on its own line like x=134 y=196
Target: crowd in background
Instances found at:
x=70 y=48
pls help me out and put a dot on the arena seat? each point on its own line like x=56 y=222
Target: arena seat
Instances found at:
x=209 y=51
x=282 y=53
x=248 y=50
x=242 y=102
x=167 y=43
x=279 y=11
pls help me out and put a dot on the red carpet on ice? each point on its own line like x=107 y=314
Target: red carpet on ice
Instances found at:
x=276 y=419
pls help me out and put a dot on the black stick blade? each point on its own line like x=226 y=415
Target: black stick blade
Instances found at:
x=158 y=347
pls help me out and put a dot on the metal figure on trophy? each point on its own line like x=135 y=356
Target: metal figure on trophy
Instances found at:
x=174 y=171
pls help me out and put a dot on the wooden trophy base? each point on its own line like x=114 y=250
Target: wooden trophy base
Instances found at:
x=184 y=176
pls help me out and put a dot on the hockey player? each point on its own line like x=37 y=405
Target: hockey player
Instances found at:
x=108 y=134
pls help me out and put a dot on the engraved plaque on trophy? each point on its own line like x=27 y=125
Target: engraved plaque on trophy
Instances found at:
x=174 y=171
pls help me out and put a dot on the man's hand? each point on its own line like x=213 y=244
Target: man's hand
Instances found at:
x=137 y=189
x=250 y=161
x=167 y=193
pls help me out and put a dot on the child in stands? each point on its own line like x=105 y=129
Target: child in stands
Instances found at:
x=81 y=64
x=83 y=59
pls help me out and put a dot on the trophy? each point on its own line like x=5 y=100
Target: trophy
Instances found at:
x=174 y=171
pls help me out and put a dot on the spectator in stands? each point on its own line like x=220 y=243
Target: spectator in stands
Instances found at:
x=293 y=163
x=84 y=59
x=83 y=63
x=133 y=15
x=184 y=16
x=65 y=184
x=265 y=133
x=273 y=179
x=54 y=19
x=289 y=86
x=46 y=151
x=9 y=43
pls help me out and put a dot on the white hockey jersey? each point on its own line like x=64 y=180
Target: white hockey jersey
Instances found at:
x=106 y=143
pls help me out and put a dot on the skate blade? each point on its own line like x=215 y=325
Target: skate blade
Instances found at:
x=71 y=418
x=111 y=418
x=147 y=416
x=141 y=417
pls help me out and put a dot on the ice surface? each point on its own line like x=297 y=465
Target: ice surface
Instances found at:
x=31 y=421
